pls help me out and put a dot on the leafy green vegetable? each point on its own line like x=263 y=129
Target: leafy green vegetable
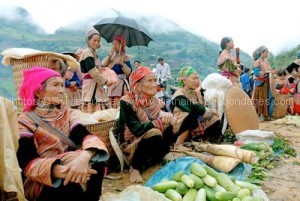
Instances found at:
x=282 y=144
x=267 y=158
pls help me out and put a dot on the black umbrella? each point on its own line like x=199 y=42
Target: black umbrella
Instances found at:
x=135 y=34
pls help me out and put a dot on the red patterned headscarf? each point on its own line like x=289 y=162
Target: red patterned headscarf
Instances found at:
x=122 y=40
x=137 y=75
x=32 y=82
x=141 y=99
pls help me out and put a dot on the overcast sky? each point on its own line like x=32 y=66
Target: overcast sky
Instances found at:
x=250 y=23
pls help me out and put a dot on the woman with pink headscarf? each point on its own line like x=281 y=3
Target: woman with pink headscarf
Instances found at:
x=144 y=130
x=93 y=95
x=60 y=159
x=119 y=62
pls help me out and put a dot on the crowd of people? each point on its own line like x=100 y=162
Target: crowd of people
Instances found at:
x=61 y=159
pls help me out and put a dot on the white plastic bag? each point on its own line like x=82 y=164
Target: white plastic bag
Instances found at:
x=134 y=193
x=256 y=136
x=260 y=193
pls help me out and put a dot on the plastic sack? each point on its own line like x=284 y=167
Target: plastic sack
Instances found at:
x=10 y=175
x=256 y=136
x=109 y=74
x=134 y=193
x=85 y=118
x=260 y=193
x=106 y=115
x=241 y=172
x=288 y=120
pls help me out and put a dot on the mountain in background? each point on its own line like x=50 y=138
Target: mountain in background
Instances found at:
x=177 y=46
x=285 y=58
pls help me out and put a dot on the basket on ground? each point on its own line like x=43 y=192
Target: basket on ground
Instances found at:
x=281 y=105
x=239 y=111
x=102 y=129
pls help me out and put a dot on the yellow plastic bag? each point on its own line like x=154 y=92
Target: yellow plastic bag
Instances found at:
x=10 y=175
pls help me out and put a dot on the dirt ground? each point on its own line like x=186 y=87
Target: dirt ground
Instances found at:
x=282 y=183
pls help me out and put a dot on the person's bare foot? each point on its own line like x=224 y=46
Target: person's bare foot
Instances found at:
x=135 y=176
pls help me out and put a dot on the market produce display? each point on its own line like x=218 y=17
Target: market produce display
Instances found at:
x=204 y=183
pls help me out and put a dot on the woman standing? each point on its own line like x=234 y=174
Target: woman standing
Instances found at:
x=93 y=95
x=227 y=61
x=73 y=85
x=144 y=129
x=119 y=62
x=263 y=98
x=60 y=158
x=187 y=106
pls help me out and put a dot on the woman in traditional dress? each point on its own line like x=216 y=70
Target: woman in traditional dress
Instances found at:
x=73 y=84
x=143 y=128
x=94 y=96
x=294 y=70
x=119 y=62
x=263 y=98
x=227 y=61
x=187 y=105
x=59 y=158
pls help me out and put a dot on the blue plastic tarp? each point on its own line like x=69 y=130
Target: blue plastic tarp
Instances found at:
x=241 y=172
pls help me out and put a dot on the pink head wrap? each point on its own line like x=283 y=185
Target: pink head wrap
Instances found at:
x=32 y=82
x=122 y=40
x=138 y=74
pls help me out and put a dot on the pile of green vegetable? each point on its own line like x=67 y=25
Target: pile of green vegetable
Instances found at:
x=267 y=157
x=204 y=183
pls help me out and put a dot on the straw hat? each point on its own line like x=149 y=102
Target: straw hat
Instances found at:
x=239 y=111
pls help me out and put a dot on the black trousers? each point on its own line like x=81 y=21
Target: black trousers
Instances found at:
x=73 y=191
x=150 y=151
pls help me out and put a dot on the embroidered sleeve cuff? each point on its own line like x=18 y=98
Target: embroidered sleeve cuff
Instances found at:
x=92 y=141
x=100 y=156
x=39 y=170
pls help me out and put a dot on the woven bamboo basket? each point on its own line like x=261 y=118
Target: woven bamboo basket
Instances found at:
x=281 y=105
x=102 y=129
x=239 y=111
x=19 y=65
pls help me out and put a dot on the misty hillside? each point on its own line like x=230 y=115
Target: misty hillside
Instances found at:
x=285 y=58
x=177 y=46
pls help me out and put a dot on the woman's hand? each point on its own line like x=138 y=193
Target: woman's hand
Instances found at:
x=275 y=71
x=108 y=82
x=112 y=52
x=166 y=117
x=120 y=60
x=214 y=111
x=58 y=171
x=78 y=170
x=73 y=84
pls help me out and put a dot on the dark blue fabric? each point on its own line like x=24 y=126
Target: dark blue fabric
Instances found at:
x=118 y=68
x=74 y=78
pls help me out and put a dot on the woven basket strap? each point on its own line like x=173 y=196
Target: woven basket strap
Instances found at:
x=117 y=149
x=65 y=139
